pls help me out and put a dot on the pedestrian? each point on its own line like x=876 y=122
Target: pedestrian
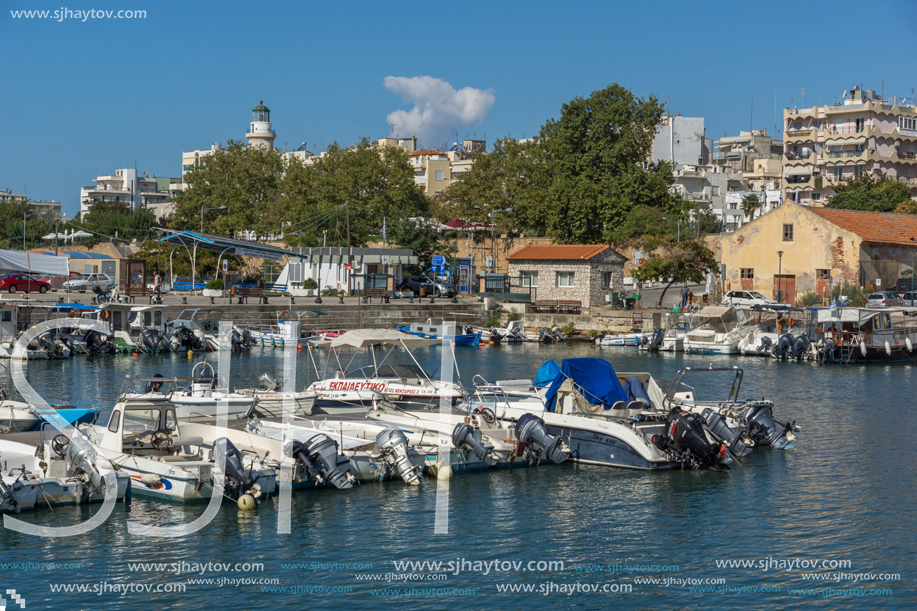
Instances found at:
x=690 y=297
x=684 y=295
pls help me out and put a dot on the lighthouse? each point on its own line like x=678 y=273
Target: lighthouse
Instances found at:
x=260 y=132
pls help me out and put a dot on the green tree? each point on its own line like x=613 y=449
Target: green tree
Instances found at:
x=596 y=155
x=414 y=234
x=869 y=193
x=245 y=179
x=685 y=261
x=374 y=182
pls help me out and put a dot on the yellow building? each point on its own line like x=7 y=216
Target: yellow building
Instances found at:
x=796 y=249
x=432 y=171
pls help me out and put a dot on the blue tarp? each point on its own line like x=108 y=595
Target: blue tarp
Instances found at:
x=636 y=391
x=547 y=373
x=595 y=377
x=66 y=307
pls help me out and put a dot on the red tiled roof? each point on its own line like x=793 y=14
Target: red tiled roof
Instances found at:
x=426 y=152
x=877 y=227
x=559 y=252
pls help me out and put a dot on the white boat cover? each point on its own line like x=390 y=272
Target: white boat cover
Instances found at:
x=16 y=260
x=857 y=315
x=362 y=338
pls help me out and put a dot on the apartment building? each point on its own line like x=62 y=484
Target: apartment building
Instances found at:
x=825 y=145
x=435 y=170
x=680 y=141
x=139 y=191
x=707 y=186
x=739 y=153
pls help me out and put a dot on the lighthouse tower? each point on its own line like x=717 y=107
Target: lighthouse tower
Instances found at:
x=260 y=132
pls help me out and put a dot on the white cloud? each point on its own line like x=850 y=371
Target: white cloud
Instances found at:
x=439 y=110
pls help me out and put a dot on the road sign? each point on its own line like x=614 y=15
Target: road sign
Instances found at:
x=638 y=255
x=348 y=266
x=878 y=282
x=225 y=265
x=639 y=261
x=437 y=261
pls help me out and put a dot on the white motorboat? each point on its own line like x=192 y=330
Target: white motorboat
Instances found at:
x=198 y=402
x=145 y=438
x=673 y=340
x=774 y=331
x=204 y=324
x=717 y=332
x=624 y=339
x=277 y=336
x=353 y=389
x=16 y=493
x=66 y=471
x=607 y=418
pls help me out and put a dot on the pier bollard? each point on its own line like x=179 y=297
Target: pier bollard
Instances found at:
x=318 y=299
x=184 y=300
x=411 y=300
x=432 y=297
x=341 y=297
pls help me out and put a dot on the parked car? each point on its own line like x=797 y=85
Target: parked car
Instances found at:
x=437 y=288
x=883 y=299
x=747 y=298
x=909 y=299
x=15 y=282
x=88 y=282
x=906 y=285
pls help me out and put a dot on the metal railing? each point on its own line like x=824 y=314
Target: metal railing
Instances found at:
x=844 y=129
x=836 y=154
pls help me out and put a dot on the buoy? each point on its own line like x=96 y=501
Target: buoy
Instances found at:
x=863 y=348
x=299 y=347
x=191 y=354
x=134 y=354
x=246 y=502
x=888 y=349
x=909 y=344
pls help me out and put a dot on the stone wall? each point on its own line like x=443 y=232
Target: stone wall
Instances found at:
x=587 y=278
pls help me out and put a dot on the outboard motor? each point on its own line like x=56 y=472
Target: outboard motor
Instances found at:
x=557 y=334
x=467 y=330
x=235 y=339
x=267 y=382
x=687 y=440
x=154 y=386
x=317 y=460
x=766 y=345
x=247 y=338
x=545 y=336
x=784 y=346
x=393 y=449
x=655 y=341
x=463 y=439
x=716 y=424
x=81 y=457
x=148 y=339
x=761 y=425
x=236 y=479
x=530 y=429
x=800 y=347
x=827 y=351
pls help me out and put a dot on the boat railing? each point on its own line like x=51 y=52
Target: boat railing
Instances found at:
x=669 y=399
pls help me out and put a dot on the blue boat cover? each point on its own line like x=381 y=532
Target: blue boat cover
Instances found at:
x=636 y=391
x=596 y=377
x=547 y=373
x=78 y=416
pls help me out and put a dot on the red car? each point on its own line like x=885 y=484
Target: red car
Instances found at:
x=23 y=282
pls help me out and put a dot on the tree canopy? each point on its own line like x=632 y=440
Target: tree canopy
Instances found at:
x=580 y=178
x=869 y=193
x=685 y=261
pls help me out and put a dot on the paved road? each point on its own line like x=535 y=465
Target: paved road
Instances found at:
x=672 y=296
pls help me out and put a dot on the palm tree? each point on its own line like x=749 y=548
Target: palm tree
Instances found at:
x=750 y=205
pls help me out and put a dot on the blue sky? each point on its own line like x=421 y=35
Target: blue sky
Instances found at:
x=83 y=98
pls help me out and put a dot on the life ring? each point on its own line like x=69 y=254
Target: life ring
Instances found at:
x=791 y=321
x=757 y=319
x=72 y=313
x=104 y=315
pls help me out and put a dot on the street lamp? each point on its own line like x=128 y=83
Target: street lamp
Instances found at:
x=677 y=227
x=28 y=259
x=194 y=264
x=779 y=276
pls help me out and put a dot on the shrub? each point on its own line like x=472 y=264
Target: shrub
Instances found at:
x=808 y=299
x=493 y=321
x=514 y=316
x=593 y=333
x=329 y=291
x=214 y=285
x=310 y=283
x=568 y=329
x=855 y=294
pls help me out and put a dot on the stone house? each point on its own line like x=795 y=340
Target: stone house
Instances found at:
x=819 y=247
x=583 y=272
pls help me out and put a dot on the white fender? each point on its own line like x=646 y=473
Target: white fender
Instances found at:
x=909 y=344
x=863 y=347
x=888 y=349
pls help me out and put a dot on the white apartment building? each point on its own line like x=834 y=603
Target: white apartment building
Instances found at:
x=138 y=191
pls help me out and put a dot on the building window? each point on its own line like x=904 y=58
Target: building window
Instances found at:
x=823 y=274
x=748 y=273
x=529 y=279
x=607 y=280
x=838 y=173
x=714 y=191
x=788 y=232
x=816 y=196
x=439 y=174
x=565 y=279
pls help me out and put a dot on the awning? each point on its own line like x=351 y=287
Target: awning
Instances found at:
x=799 y=170
x=842 y=142
x=16 y=260
x=363 y=338
x=242 y=248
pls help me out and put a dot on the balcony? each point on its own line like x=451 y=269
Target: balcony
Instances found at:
x=839 y=154
x=834 y=130
x=802 y=133
x=906 y=155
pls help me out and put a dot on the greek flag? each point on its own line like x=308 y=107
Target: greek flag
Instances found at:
x=384 y=230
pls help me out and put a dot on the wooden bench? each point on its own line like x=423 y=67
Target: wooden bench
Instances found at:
x=545 y=305
x=375 y=293
x=569 y=306
x=244 y=292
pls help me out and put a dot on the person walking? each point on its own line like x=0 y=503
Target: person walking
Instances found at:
x=684 y=295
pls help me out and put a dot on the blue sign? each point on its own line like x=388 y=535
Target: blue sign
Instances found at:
x=439 y=261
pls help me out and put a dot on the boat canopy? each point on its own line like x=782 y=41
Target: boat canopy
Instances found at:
x=547 y=373
x=857 y=315
x=19 y=261
x=595 y=377
x=363 y=338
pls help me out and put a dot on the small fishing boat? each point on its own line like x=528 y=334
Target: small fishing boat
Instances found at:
x=717 y=331
x=200 y=401
x=435 y=328
x=776 y=330
x=276 y=336
x=624 y=339
x=858 y=335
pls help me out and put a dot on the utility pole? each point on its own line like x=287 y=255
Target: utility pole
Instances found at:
x=56 y=223
x=349 y=249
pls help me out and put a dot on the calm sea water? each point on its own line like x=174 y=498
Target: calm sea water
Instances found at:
x=844 y=498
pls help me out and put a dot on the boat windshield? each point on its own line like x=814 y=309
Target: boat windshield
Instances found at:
x=387 y=371
x=141 y=420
